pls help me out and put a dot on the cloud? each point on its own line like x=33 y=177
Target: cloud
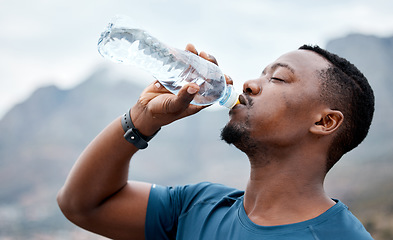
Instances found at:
x=46 y=41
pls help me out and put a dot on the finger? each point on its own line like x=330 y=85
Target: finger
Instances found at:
x=208 y=57
x=191 y=109
x=180 y=103
x=187 y=92
x=228 y=79
x=156 y=87
x=190 y=47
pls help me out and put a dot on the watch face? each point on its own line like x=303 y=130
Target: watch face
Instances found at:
x=133 y=136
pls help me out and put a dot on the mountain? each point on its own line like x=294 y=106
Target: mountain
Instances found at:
x=363 y=178
x=374 y=57
x=42 y=137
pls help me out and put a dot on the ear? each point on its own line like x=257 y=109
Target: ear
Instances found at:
x=328 y=122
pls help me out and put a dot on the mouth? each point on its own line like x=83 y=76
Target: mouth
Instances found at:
x=243 y=102
x=242 y=99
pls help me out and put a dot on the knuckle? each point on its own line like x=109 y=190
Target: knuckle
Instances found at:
x=166 y=105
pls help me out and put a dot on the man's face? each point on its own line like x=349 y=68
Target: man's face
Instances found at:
x=280 y=106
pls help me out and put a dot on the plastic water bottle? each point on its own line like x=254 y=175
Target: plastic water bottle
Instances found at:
x=124 y=42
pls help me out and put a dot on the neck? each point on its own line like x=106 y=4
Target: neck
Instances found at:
x=282 y=191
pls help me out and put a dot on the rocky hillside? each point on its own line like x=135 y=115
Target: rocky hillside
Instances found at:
x=42 y=137
x=365 y=181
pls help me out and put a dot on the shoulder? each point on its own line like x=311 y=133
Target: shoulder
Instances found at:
x=209 y=191
x=169 y=205
x=188 y=195
x=342 y=223
x=206 y=190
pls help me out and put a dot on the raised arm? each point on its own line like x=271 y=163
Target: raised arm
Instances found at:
x=97 y=195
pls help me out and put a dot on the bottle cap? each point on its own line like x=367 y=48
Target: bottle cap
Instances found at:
x=231 y=98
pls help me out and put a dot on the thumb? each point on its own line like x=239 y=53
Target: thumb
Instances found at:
x=187 y=92
x=185 y=95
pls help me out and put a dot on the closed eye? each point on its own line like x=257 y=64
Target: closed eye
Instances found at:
x=277 y=79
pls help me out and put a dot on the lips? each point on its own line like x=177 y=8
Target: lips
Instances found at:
x=242 y=100
x=243 y=103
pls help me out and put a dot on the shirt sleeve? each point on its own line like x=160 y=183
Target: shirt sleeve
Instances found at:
x=166 y=204
x=162 y=213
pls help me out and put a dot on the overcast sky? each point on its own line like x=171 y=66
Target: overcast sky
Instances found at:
x=46 y=42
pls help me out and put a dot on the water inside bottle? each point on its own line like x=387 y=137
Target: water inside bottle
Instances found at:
x=172 y=67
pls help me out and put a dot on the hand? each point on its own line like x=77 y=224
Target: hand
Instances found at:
x=191 y=48
x=157 y=106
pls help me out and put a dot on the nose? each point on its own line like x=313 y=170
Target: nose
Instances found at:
x=252 y=87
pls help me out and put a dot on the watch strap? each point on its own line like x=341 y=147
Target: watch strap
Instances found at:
x=132 y=134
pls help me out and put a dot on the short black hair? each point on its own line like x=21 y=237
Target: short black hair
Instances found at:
x=346 y=89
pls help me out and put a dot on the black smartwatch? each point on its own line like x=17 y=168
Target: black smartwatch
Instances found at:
x=132 y=134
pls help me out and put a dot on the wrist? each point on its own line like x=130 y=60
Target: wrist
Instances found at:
x=132 y=134
x=143 y=121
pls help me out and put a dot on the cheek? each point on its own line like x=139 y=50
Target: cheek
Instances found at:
x=298 y=117
x=279 y=117
x=296 y=103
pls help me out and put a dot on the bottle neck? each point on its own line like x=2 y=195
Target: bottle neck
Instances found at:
x=231 y=97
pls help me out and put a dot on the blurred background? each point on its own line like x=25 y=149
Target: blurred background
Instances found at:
x=57 y=93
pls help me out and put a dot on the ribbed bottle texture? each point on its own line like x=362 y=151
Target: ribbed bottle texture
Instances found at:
x=123 y=43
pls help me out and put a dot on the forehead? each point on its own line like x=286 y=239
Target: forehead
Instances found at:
x=304 y=64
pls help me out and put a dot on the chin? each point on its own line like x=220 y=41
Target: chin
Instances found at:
x=239 y=136
x=231 y=134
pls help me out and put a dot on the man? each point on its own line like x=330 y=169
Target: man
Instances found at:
x=294 y=122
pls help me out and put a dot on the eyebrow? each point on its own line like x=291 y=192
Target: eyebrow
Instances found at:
x=276 y=65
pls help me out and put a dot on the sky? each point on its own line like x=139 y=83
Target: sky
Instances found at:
x=44 y=42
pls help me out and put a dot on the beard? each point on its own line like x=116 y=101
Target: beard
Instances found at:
x=233 y=134
x=240 y=137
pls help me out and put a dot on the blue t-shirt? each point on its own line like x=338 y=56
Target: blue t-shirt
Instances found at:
x=213 y=211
